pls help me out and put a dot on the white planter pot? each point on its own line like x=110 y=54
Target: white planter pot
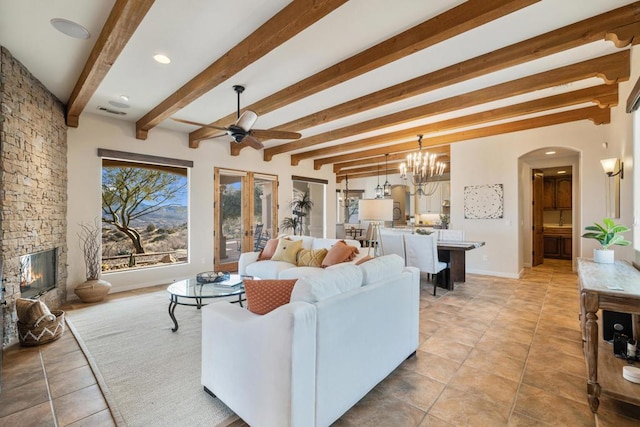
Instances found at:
x=603 y=256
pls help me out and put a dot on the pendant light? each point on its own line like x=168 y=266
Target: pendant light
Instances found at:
x=386 y=186
x=378 y=188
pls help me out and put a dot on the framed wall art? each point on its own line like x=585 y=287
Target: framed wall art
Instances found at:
x=483 y=201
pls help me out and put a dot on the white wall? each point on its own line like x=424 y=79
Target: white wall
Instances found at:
x=84 y=191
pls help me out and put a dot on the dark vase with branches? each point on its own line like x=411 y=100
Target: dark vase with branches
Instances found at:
x=93 y=289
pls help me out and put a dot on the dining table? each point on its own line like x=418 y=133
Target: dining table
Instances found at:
x=454 y=253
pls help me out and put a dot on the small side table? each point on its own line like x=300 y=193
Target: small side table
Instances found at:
x=191 y=293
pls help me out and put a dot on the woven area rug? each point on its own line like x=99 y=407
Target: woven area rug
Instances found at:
x=152 y=375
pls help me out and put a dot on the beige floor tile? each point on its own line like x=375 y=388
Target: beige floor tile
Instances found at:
x=459 y=408
x=438 y=368
x=519 y=420
x=66 y=362
x=568 y=364
x=485 y=385
x=376 y=409
x=431 y=421
x=551 y=344
x=22 y=397
x=447 y=348
x=100 y=419
x=565 y=385
x=34 y=416
x=503 y=345
x=498 y=364
x=412 y=388
x=551 y=408
x=70 y=381
x=78 y=405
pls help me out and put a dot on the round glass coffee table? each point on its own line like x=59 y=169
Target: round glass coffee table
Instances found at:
x=190 y=292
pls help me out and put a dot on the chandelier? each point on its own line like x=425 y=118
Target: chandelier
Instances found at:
x=346 y=202
x=420 y=170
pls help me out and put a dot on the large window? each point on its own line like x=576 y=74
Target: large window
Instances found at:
x=144 y=214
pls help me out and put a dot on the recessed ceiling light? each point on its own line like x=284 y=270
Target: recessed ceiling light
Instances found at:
x=124 y=98
x=548 y=153
x=561 y=172
x=163 y=59
x=70 y=28
x=119 y=104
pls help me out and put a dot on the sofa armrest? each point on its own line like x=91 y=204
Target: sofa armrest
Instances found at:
x=262 y=367
x=246 y=258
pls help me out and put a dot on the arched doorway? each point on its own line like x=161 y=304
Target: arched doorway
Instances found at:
x=549 y=205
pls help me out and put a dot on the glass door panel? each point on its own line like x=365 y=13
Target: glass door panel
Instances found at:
x=229 y=219
x=245 y=214
x=264 y=210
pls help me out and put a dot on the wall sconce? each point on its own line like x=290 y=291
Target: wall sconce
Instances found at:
x=613 y=196
x=609 y=166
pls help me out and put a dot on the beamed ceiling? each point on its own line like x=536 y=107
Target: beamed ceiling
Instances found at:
x=359 y=79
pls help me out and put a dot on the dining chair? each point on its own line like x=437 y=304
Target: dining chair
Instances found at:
x=422 y=252
x=367 y=237
x=392 y=242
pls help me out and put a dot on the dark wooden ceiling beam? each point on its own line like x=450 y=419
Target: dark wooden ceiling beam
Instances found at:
x=442 y=151
x=462 y=18
x=612 y=25
x=611 y=68
x=124 y=18
x=291 y=20
x=625 y=35
x=603 y=95
x=596 y=114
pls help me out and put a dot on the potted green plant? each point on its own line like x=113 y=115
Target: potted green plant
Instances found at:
x=608 y=234
x=300 y=206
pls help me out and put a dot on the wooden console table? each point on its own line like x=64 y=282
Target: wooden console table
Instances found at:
x=614 y=287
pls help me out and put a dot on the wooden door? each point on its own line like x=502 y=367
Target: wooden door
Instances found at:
x=538 y=204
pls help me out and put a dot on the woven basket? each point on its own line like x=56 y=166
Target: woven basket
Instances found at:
x=43 y=332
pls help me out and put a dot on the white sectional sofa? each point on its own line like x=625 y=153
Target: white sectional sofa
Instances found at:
x=307 y=362
x=248 y=264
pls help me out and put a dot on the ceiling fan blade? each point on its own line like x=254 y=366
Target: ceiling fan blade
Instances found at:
x=274 y=134
x=216 y=136
x=189 y=122
x=246 y=120
x=252 y=141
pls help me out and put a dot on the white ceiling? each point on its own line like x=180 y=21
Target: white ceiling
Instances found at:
x=194 y=33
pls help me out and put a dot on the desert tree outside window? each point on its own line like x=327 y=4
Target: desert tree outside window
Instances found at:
x=144 y=213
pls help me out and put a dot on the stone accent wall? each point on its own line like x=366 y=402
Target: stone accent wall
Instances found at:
x=33 y=181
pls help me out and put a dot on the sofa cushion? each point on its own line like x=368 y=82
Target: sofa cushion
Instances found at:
x=319 y=243
x=264 y=296
x=327 y=283
x=268 y=250
x=298 y=272
x=268 y=269
x=311 y=257
x=307 y=241
x=287 y=250
x=340 y=252
x=381 y=268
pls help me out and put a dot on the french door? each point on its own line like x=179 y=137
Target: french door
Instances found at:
x=245 y=214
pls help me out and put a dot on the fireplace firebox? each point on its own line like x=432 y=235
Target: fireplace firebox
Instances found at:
x=38 y=273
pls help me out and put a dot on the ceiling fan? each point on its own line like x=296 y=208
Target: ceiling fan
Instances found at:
x=241 y=130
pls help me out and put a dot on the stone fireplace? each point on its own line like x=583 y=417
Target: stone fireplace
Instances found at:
x=33 y=185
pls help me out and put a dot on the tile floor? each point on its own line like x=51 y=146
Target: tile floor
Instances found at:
x=494 y=352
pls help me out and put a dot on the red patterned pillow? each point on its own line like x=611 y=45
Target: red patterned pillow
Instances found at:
x=264 y=296
x=339 y=252
x=268 y=250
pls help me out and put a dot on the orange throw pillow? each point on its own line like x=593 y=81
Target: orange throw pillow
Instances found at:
x=264 y=296
x=268 y=250
x=340 y=252
x=364 y=259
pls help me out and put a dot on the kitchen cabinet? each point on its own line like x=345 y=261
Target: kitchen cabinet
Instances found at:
x=558 y=243
x=557 y=193
x=433 y=203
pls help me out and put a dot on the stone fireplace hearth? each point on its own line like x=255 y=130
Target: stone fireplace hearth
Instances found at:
x=33 y=183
